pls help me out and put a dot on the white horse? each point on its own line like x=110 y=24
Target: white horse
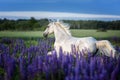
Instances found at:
x=64 y=40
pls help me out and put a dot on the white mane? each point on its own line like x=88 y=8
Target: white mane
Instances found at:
x=65 y=27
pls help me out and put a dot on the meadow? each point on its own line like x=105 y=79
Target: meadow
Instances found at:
x=75 y=32
x=23 y=56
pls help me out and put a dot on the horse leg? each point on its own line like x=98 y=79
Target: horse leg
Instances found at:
x=53 y=52
x=106 y=48
x=49 y=53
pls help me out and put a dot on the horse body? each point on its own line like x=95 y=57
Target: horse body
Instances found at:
x=80 y=44
x=64 y=40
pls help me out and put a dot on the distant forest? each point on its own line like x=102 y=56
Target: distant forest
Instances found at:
x=39 y=25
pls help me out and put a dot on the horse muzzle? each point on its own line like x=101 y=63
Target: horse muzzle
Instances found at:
x=45 y=35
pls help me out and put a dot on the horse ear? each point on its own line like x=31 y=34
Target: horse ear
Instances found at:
x=56 y=20
x=53 y=20
x=50 y=20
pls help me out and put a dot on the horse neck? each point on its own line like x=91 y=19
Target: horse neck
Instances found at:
x=60 y=34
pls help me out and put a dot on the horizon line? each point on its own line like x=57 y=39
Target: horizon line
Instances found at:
x=51 y=14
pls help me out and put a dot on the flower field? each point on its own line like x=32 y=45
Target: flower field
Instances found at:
x=28 y=60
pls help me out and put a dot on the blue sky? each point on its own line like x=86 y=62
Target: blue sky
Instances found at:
x=103 y=7
x=79 y=6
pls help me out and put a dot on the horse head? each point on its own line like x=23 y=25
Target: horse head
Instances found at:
x=49 y=29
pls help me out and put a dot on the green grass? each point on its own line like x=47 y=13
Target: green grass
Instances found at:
x=75 y=32
x=94 y=33
x=20 y=34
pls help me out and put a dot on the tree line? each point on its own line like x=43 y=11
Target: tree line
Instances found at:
x=41 y=24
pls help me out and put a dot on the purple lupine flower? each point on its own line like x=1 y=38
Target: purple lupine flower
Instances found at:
x=116 y=71
x=103 y=75
x=35 y=63
x=32 y=69
x=77 y=67
x=71 y=77
x=67 y=78
x=22 y=66
x=92 y=67
x=9 y=66
x=40 y=63
x=46 y=70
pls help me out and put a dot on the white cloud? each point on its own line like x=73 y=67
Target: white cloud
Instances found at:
x=62 y=15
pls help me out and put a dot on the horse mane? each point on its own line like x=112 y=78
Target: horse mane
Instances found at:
x=65 y=27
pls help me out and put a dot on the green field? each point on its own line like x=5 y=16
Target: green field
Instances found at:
x=75 y=32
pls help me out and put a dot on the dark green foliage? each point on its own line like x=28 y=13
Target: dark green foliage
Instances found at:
x=94 y=24
x=38 y=25
x=23 y=24
x=2 y=71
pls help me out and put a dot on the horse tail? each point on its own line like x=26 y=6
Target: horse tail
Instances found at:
x=106 y=48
